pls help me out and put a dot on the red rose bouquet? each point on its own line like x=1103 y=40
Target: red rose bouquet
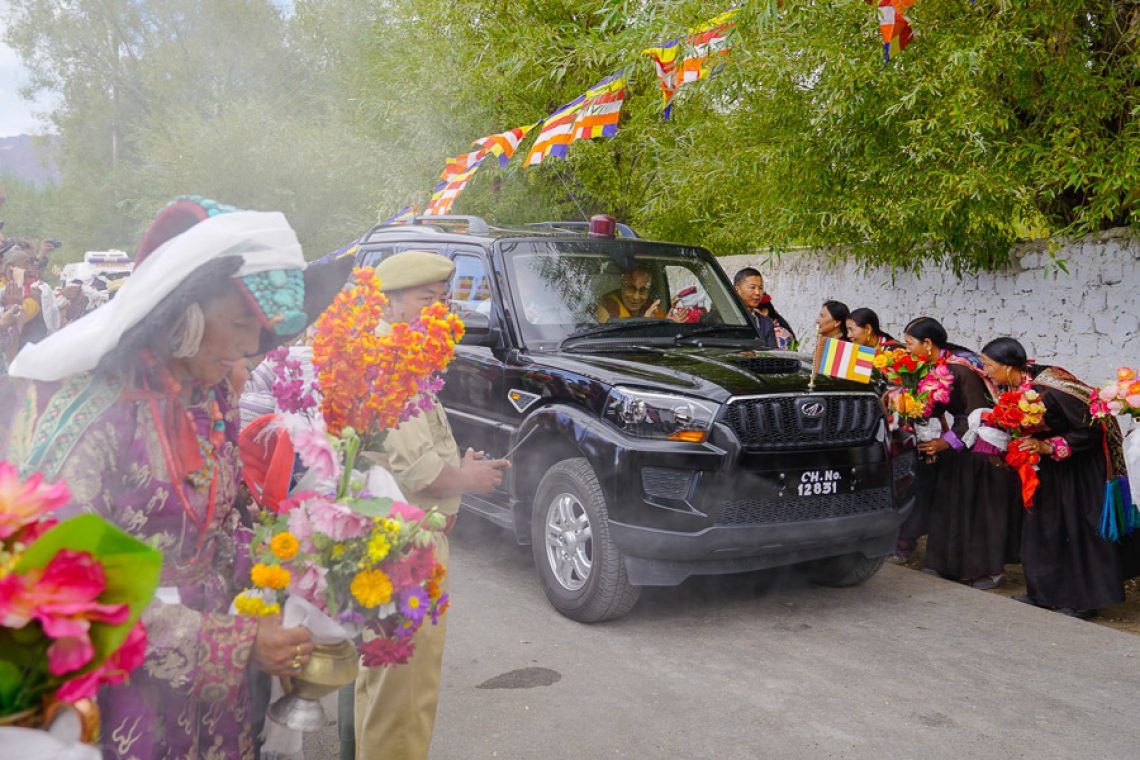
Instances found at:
x=1020 y=413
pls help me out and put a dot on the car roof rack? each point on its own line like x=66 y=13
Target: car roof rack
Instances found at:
x=623 y=230
x=472 y=225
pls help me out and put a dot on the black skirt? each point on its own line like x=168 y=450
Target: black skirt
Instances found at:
x=975 y=517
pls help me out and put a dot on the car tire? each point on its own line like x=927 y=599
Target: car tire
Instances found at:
x=845 y=570
x=581 y=570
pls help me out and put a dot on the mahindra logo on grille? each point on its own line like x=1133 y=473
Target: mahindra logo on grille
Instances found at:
x=812 y=409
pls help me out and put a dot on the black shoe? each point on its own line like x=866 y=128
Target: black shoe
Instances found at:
x=1026 y=599
x=932 y=571
x=988 y=582
x=1078 y=614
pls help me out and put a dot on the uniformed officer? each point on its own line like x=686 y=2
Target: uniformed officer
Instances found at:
x=395 y=707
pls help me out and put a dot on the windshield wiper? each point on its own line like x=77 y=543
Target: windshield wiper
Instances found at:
x=599 y=330
x=709 y=330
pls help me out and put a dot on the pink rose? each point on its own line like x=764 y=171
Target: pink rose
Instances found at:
x=311 y=585
x=1134 y=400
x=1107 y=393
x=114 y=670
x=317 y=453
x=336 y=521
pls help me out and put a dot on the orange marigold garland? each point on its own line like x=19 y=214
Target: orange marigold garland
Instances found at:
x=373 y=382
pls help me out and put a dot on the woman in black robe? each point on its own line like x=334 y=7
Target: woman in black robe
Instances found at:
x=974 y=505
x=1068 y=565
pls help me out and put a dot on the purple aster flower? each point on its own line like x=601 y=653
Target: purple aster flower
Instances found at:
x=414 y=603
x=439 y=607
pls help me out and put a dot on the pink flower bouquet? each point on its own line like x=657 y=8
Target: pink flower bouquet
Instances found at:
x=71 y=594
x=1117 y=398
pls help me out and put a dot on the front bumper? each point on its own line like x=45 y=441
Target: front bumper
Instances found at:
x=732 y=510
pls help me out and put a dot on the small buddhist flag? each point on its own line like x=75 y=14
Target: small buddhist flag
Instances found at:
x=702 y=53
x=842 y=359
x=599 y=114
x=556 y=134
x=403 y=216
x=504 y=144
x=894 y=26
x=446 y=192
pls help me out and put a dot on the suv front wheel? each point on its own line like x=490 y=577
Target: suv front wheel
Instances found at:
x=581 y=569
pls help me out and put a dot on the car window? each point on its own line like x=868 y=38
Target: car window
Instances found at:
x=470 y=286
x=559 y=288
x=373 y=256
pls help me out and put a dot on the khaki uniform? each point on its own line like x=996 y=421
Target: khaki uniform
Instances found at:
x=395 y=707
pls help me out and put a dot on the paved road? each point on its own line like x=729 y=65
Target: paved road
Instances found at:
x=767 y=666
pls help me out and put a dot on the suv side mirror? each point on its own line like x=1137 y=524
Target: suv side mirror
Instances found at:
x=478 y=330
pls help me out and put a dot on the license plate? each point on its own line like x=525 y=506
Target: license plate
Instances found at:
x=819 y=482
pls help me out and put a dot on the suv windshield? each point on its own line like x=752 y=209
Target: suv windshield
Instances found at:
x=614 y=289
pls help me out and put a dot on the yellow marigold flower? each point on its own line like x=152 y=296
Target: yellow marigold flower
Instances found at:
x=269 y=576
x=882 y=359
x=285 y=546
x=378 y=547
x=255 y=606
x=371 y=588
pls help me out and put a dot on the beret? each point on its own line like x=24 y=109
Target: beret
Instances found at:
x=411 y=269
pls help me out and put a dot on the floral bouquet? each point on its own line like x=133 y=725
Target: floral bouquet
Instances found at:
x=71 y=594
x=1019 y=413
x=1118 y=398
x=365 y=562
x=919 y=386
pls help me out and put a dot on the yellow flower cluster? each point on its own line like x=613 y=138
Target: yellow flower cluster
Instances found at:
x=255 y=606
x=285 y=546
x=1034 y=409
x=269 y=576
x=371 y=588
x=908 y=406
x=378 y=547
x=882 y=359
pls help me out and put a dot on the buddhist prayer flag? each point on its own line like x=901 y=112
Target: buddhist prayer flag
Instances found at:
x=456 y=165
x=599 y=114
x=701 y=54
x=894 y=26
x=446 y=192
x=403 y=216
x=557 y=133
x=504 y=144
x=840 y=358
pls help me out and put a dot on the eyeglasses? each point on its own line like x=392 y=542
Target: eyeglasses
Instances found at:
x=634 y=290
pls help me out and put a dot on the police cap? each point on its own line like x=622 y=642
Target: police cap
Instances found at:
x=411 y=269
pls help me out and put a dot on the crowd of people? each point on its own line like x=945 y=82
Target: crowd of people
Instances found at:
x=970 y=504
x=138 y=406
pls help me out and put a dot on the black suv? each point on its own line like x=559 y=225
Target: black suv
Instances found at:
x=647 y=450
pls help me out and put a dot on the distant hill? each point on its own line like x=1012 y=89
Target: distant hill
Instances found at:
x=23 y=158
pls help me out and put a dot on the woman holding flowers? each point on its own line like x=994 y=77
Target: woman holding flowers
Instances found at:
x=1068 y=565
x=953 y=506
x=133 y=407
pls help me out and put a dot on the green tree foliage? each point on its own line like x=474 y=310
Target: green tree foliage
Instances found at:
x=211 y=97
x=1003 y=119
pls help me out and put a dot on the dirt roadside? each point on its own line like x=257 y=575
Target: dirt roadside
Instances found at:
x=1122 y=617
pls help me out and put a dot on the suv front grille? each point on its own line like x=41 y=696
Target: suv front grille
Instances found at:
x=769 y=511
x=666 y=482
x=780 y=423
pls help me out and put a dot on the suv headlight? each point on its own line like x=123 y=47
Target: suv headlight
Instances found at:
x=660 y=415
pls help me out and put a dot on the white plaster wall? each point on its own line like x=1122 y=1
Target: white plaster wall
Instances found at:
x=1087 y=321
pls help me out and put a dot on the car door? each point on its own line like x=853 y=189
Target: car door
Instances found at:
x=473 y=393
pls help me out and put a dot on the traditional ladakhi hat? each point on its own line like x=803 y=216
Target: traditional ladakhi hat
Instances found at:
x=411 y=269
x=183 y=237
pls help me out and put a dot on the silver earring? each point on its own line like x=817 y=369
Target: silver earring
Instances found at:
x=186 y=338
